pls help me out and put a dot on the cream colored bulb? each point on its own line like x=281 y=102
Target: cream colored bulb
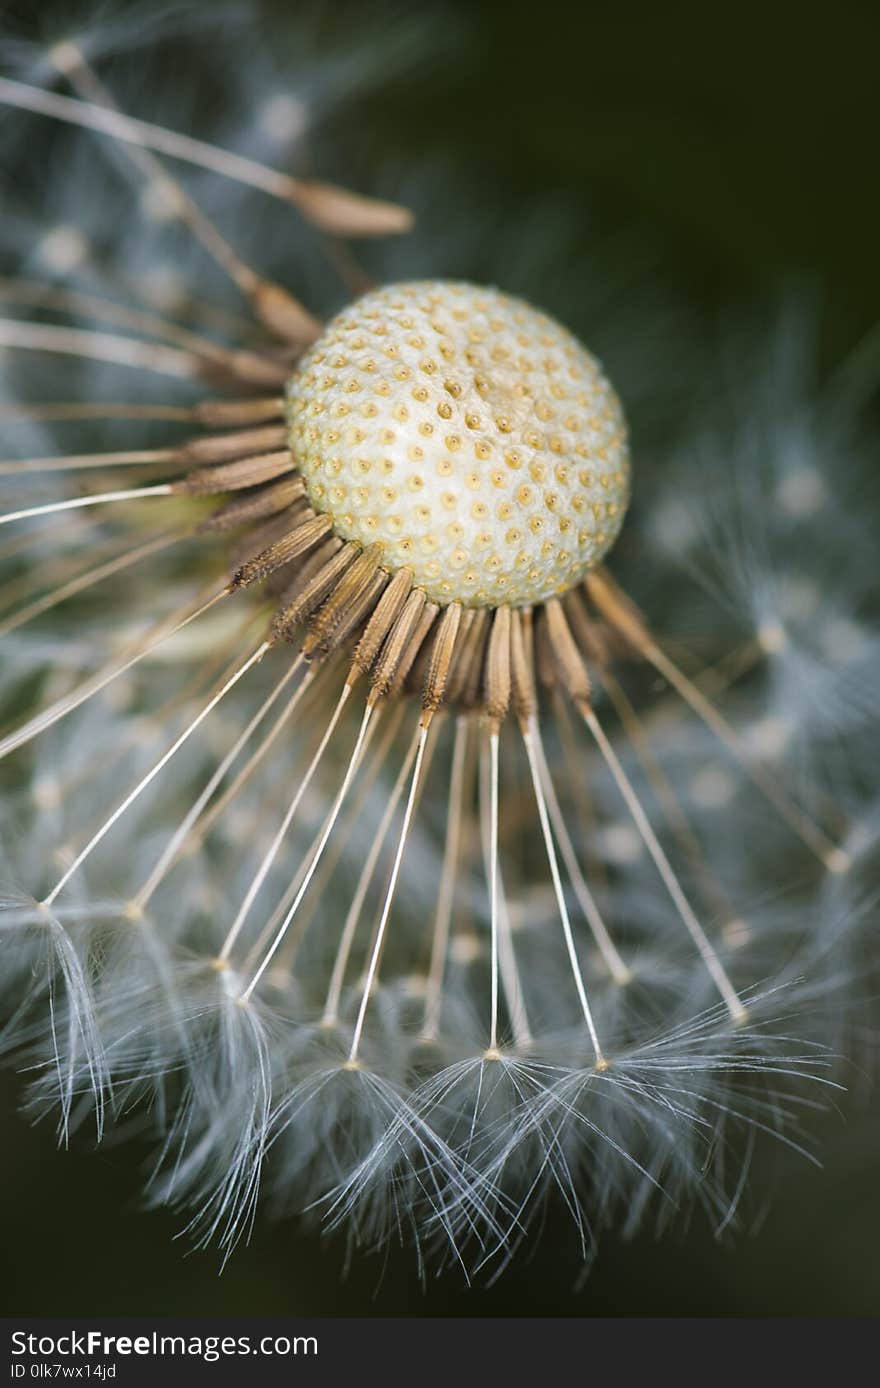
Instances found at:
x=469 y=434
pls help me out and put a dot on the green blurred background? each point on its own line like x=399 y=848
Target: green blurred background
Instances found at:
x=739 y=142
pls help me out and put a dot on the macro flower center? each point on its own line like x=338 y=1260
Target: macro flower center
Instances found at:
x=471 y=436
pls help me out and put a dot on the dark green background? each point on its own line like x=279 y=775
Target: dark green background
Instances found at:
x=744 y=137
x=740 y=140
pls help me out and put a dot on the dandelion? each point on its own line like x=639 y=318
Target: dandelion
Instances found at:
x=363 y=868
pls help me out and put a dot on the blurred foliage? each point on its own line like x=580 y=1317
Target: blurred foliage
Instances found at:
x=742 y=136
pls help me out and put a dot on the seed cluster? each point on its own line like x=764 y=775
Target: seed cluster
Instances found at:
x=471 y=436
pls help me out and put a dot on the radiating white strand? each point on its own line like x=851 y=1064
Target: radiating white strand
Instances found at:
x=99 y=346
x=69 y=702
x=24 y=411
x=337 y=806
x=334 y=991
x=153 y=773
x=616 y=967
x=76 y=503
x=86 y=580
x=173 y=847
x=146 y=135
x=285 y=960
x=389 y=897
x=446 y=893
x=649 y=838
x=836 y=859
x=528 y=734
x=85 y=462
x=268 y=931
x=51 y=296
x=221 y=804
x=493 y=883
x=502 y=949
x=272 y=851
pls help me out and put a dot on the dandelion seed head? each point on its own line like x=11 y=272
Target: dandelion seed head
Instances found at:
x=357 y=818
x=469 y=434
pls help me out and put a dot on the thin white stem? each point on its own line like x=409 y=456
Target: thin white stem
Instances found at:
x=51 y=296
x=493 y=883
x=577 y=784
x=76 y=503
x=667 y=799
x=670 y=881
x=502 y=952
x=37 y=580
x=528 y=734
x=299 y=324
x=147 y=135
x=446 y=893
x=316 y=858
x=616 y=967
x=154 y=772
x=334 y=991
x=389 y=897
x=272 y=851
x=86 y=580
x=173 y=847
x=818 y=842
x=285 y=959
x=222 y=803
x=268 y=931
x=69 y=702
x=77 y=410
x=71 y=61
x=99 y=346
x=86 y=462
x=71 y=410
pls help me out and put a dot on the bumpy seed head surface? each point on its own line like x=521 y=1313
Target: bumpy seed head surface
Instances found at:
x=469 y=434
